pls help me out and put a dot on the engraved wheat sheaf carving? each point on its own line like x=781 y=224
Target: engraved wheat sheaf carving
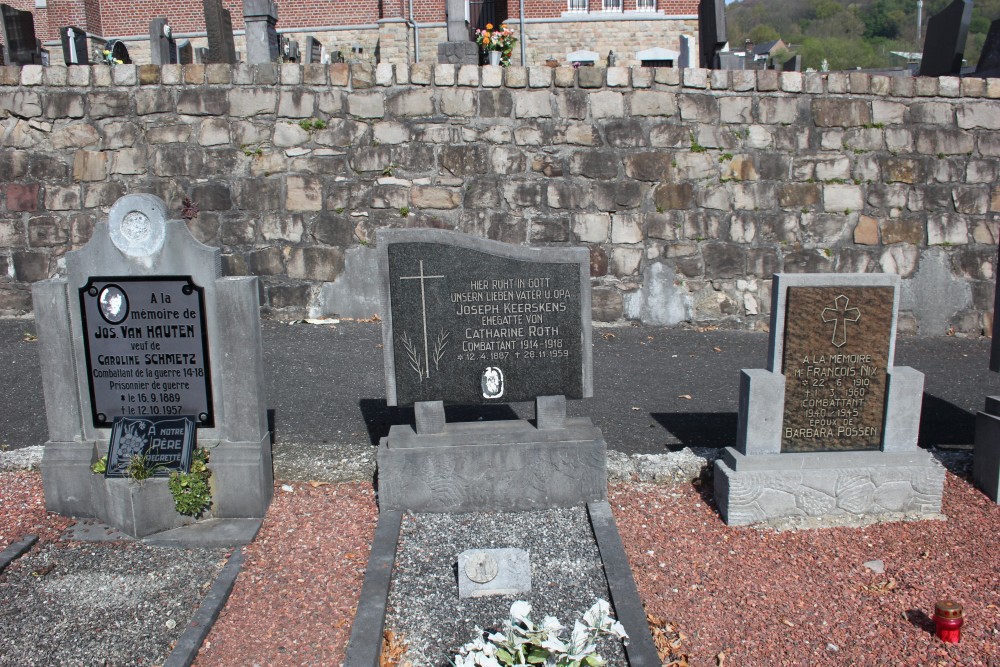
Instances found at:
x=439 y=346
x=412 y=355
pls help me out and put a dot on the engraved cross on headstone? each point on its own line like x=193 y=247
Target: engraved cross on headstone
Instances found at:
x=840 y=315
x=423 y=312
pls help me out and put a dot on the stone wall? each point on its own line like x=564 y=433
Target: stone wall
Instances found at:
x=690 y=188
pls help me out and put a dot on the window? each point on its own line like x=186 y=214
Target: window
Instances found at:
x=612 y=5
x=577 y=5
x=645 y=5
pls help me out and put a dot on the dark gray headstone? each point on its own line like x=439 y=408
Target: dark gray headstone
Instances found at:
x=185 y=52
x=711 y=31
x=989 y=57
x=944 y=44
x=162 y=47
x=684 y=60
x=20 y=46
x=261 y=18
x=476 y=321
x=74 y=46
x=793 y=64
x=219 y=25
x=201 y=55
x=290 y=50
x=314 y=51
x=119 y=51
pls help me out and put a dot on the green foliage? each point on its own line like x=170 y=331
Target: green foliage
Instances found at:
x=762 y=33
x=99 y=466
x=191 y=491
x=310 y=124
x=404 y=211
x=252 y=150
x=140 y=469
x=695 y=146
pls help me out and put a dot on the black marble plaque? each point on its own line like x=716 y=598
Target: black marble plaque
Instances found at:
x=74 y=46
x=21 y=47
x=836 y=352
x=147 y=348
x=166 y=442
x=473 y=327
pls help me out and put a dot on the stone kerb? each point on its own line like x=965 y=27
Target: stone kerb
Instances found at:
x=138 y=243
x=690 y=188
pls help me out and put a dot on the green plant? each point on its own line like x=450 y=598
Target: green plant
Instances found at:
x=404 y=211
x=252 y=150
x=139 y=468
x=725 y=157
x=339 y=210
x=99 y=466
x=310 y=124
x=501 y=40
x=387 y=171
x=521 y=642
x=659 y=209
x=695 y=146
x=191 y=490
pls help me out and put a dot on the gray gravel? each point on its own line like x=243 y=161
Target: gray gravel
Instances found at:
x=101 y=604
x=566 y=577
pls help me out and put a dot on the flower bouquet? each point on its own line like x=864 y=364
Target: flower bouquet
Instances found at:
x=500 y=42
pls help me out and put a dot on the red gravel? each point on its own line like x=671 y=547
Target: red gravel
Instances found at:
x=294 y=599
x=22 y=509
x=757 y=596
x=769 y=598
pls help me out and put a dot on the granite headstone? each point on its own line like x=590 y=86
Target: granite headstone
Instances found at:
x=261 y=19
x=989 y=56
x=944 y=43
x=185 y=52
x=20 y=45
x=144 y=326
x=711 y=32
x=74 y=46
x=830 y=426
x=219 y=25
x=986 y=453
x=162 y=47
x=314 y=51
x=472 y=321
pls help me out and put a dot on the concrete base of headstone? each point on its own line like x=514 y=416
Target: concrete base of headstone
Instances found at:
x=140 y=508
x=754 y=489
x=458 y=53
x=243 y=479
x=488 y=466
x=986 y=456
x=66 y=477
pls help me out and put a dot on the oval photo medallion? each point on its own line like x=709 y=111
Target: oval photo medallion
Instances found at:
x=113 y=304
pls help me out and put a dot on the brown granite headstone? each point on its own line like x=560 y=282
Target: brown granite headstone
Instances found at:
x=836 y=354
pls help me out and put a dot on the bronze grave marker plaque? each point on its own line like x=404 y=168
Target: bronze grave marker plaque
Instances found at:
x=836 y=353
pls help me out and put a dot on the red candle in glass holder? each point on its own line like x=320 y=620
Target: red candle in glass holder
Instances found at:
x=948 y=620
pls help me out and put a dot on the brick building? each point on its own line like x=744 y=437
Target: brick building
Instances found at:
x=393 y=30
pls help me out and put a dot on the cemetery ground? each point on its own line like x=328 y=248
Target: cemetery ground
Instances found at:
x=719 y=595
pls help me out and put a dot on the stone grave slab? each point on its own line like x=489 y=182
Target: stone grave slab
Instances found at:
x=830 y=426
x=989 y=57
x=483 y=572
x=162 y=46
x=711 y=32
x=145 y=326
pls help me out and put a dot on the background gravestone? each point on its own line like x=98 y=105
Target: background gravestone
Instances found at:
x=260 y=18
x=314 y=51
x=685 y=61
x=144 y=325
x=989 y=57
x=986 y=454
x=74 y=46
x=162 y=47
x=944 y=43
x=219 y=25
x=185 y=52
x=830 y=427
x=20 y=47
x=458 y=49
x=711 y=32
x=473 y=321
